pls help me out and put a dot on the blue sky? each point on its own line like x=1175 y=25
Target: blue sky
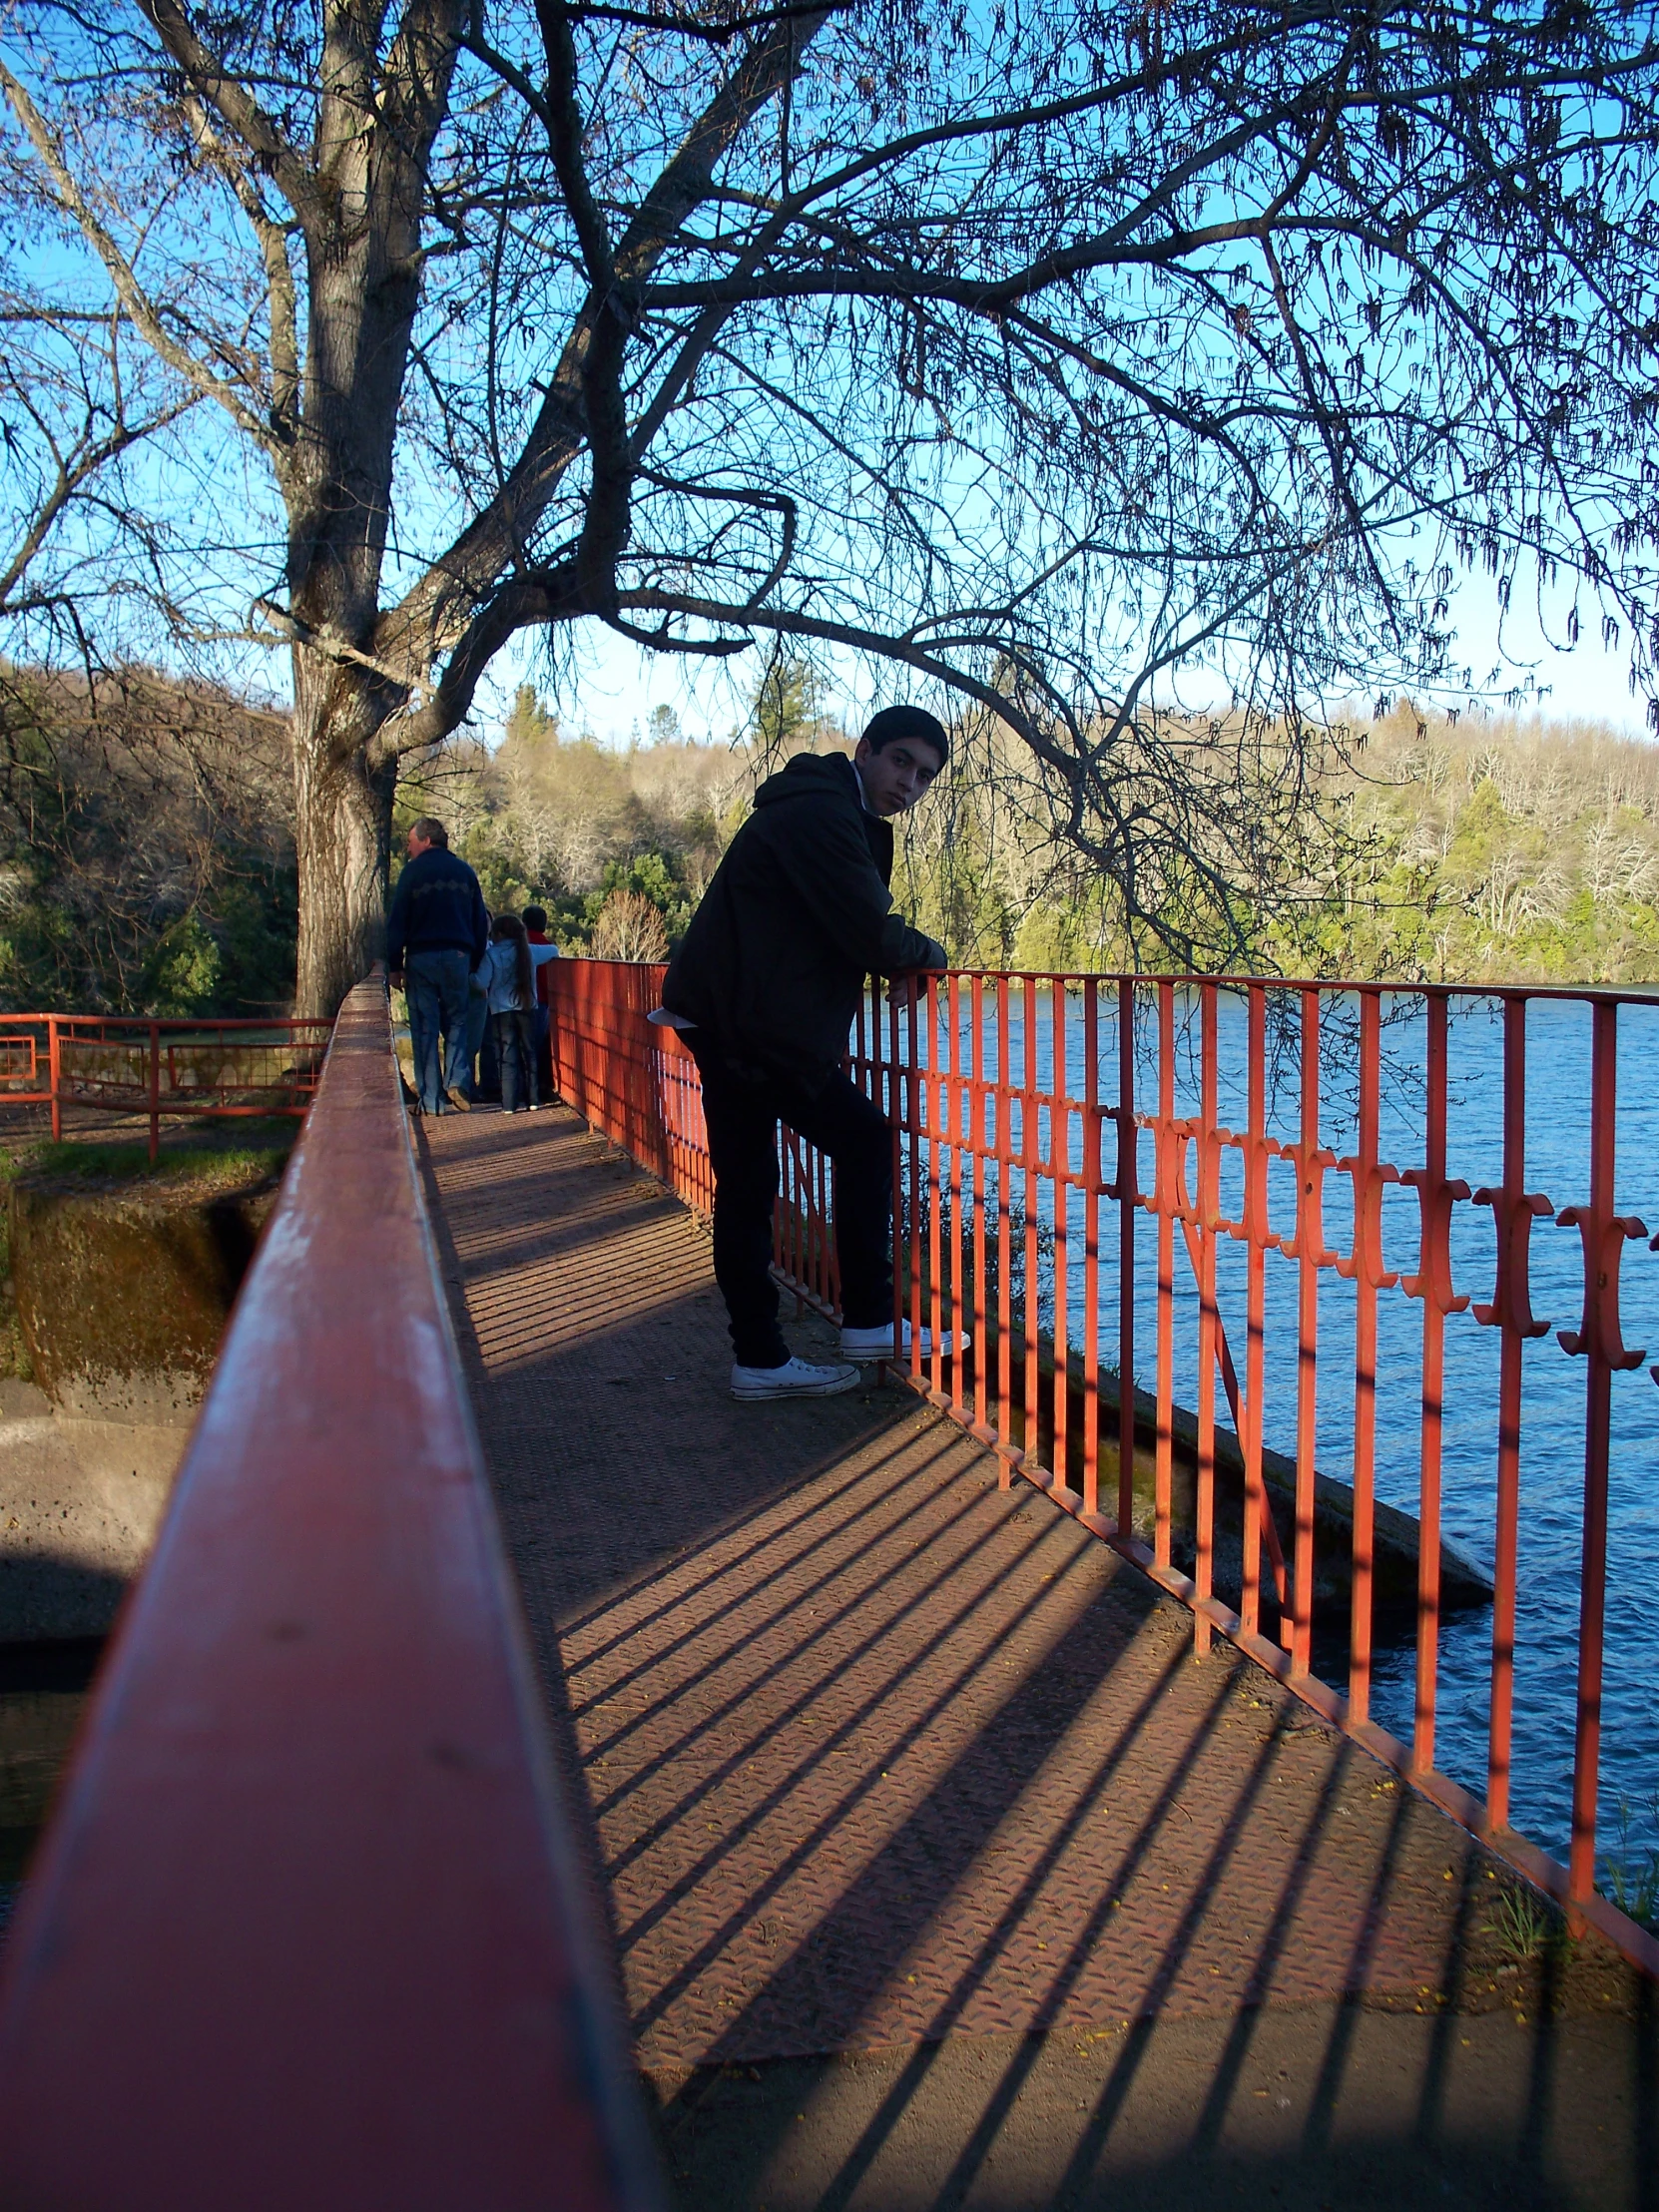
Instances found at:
x=614 y=685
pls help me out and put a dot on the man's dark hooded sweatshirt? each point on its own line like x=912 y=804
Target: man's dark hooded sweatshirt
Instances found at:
x=773 y=966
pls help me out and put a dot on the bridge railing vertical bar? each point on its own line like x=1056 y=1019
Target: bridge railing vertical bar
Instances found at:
x=1126 y=1190
x=1600 y=1341
x=1592 y=1587
x=1433 y=1284
x=306 y=1927
x=1166 y=1203
x=1310 y=1249
x=1514 y=1209
x=1364 y=1268
x=1004 y=1228
x=1093 y=1135
x=1254 y=1229
x=993 y=1131
x=983 y=1200
x=962 y=1180
x=936 y=1091
x=155 y=1092
x=1031 y=1216
x=907 y=1028
x=1059 y=1177
x=1207 y=1210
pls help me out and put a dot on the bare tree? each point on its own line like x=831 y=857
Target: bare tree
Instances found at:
x=629 y=928
x=1084 y=361
x=80 y=392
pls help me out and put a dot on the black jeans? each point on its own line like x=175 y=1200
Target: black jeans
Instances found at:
x=515 y=1045
x=743 y=1113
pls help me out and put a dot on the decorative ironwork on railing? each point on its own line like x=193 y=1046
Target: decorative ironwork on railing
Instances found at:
x=124 y=1064
x=1061 y=1141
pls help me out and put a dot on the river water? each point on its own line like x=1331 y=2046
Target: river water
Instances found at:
x=1553 y=1389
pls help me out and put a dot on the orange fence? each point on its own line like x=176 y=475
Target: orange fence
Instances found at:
x=308 y=1927
x=120 y=1064
x=1112 y=1178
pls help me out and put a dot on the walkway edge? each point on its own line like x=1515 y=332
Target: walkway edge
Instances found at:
x=306 y=1928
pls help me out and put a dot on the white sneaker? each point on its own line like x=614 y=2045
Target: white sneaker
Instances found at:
x=794 y=1378
x=866 y=1345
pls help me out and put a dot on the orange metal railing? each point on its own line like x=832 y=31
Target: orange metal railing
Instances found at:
x=120 y=1064
x=1030 y=1110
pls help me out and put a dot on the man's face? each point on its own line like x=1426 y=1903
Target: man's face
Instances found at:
x=418 y=844
x=896 y=777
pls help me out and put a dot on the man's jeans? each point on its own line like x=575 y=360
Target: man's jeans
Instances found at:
x=743 y=1116
x=478 y=1021
x=435 y=985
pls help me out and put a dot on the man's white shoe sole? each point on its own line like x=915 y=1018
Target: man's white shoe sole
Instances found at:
x=867 y=1354
x=774 y=1393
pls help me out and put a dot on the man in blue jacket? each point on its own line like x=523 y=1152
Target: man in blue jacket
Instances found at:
x=436 y=933
x=763 y=988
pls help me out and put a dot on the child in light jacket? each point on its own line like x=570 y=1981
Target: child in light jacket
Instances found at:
x=509 y=983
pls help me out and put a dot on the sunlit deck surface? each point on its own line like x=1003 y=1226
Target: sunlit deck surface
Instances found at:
x=879 y=1758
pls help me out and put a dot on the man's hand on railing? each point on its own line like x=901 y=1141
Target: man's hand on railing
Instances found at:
x=910 y=989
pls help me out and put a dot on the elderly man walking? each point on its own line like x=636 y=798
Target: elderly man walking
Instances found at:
x=436 y=933
x=764 y=987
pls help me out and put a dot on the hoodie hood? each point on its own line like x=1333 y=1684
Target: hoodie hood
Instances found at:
x=818 y=774
x=772 y=970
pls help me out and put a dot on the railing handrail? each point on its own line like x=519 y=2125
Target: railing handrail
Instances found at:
x=1633 y=994
x=171 y=1024
x=44 y=1037
x=1636 y=994
x=305 y=1928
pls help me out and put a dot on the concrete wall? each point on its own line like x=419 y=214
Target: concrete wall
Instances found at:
x=80 y=1504
x=121 y=1295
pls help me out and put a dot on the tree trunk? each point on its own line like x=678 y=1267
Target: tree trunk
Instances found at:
x=343 y=832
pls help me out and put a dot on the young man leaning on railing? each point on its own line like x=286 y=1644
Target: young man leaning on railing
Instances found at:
x=763 y=988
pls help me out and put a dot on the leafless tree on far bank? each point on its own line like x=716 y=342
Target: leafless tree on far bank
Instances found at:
x=1078 y=362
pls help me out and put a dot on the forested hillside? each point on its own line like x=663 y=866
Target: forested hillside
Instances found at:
x=1428 y=848
x=1485 y=851
x=617 y=845
x=145 y=849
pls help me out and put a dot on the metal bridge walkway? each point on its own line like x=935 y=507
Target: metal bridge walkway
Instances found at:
x=881 y=1759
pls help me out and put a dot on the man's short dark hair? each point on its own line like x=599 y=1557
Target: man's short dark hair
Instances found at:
x=535 y=917
x=431 y=832
x=893 y=723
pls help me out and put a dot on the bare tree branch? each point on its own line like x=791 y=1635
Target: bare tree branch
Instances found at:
x=145 y=316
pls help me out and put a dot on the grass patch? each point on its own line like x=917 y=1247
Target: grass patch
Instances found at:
x=239 y=1153
x=1630 y=1873
x=1522 y=1926
x=131 y=1163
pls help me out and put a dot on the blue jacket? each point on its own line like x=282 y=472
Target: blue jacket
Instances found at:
x=437 y=907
